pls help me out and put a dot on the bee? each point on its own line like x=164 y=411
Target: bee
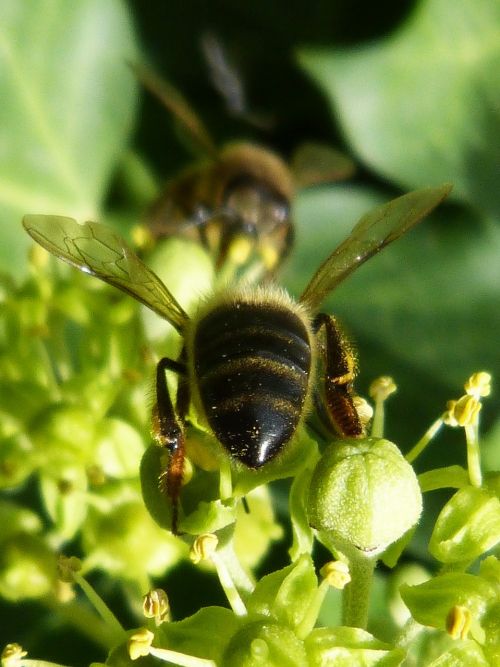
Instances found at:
x=251 y=354
x=236 y=201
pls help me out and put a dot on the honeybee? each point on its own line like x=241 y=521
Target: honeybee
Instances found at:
x=236 y=201
x=250 y=358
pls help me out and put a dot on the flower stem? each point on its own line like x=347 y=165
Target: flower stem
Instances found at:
x=378 y=421
x=424 y=440
x=227 y=583
x=473 y=455
x=100 y=606
x=180 y=659
x=356 y=598
x=225 y=481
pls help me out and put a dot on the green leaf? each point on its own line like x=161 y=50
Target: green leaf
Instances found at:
x=303 y=537
x=429 y=301
x=267 y=643
x=468 y=525
x=350 y=647
x=423 y=106
x=205 y=634
x=442 y=478
x=431 y=601
x=285 y=595
x=466 y=653
x=68 y=101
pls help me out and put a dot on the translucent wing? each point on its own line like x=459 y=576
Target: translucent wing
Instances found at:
x=314 y=163
x=95 y=249
x=373 y=232
x=178 y=106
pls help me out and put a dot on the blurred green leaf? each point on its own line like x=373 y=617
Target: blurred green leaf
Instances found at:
x=430 y=300
x=68 y=102
x=423 y=105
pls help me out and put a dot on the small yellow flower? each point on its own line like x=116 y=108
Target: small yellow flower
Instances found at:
x=381 y=388
x=203 y=547
x=464 y=412
x=139 y=643
x=66 y=566
x=336 y=572
x=458 y=622
x=156 y=605
x=12 y=655
x=478 y=385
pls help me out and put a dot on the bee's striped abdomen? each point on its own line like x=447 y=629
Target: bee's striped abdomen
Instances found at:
x=252 y=363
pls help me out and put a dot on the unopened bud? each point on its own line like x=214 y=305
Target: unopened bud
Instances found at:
x=66 y=566
x=364 y=494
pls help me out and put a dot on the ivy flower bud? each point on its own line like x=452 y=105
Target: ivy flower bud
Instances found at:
x=66 y=566
x=364 y=494
x=27 y=568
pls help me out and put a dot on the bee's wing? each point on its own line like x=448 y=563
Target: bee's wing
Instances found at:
x=178 y=106
x=95 y=249
x=313 y=163
x=373 y=232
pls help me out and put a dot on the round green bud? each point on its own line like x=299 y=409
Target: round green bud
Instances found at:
x=363 y=495
x=186 y=268
x=265 y=644
x=27 y=568
x=123 y=539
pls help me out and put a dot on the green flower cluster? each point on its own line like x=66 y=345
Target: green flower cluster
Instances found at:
x=76 y=365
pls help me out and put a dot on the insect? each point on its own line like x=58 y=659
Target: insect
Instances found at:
x=251 y=355
x=236 y=201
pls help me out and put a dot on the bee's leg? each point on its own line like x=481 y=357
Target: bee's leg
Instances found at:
x=339 y=371
x=168 y=429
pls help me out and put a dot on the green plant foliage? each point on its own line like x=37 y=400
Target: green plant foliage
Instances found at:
x=422 y=105
x=68 y=103
x=417 y=105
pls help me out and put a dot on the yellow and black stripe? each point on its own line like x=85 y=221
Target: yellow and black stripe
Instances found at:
x=252 y=363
